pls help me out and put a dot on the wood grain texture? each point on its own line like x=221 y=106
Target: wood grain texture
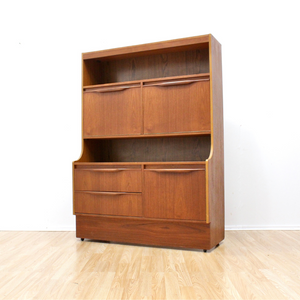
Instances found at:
x=216 y=160
x=151 y=48
x=176 y=108
x=174 y=193
x=117 y=112
x=103 y=178
x=154 y=66
x=159 y=232
x=108 y=203
x=54 y=265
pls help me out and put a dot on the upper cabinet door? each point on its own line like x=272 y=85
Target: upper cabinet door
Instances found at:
x=176 y=106
x=113 y=110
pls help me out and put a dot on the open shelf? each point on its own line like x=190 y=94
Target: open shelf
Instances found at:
x=146 y=66
x=161 y=149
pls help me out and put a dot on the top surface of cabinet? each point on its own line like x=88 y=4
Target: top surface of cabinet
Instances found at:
x=158 y=47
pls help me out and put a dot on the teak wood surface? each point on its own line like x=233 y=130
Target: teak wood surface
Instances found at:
x=113 y=112
x=176 y=107
x=174 y=193
x=120 y=179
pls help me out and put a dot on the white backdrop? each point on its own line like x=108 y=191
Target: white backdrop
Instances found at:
x=40 y=75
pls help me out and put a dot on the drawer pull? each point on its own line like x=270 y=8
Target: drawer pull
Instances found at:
x=174 y=170
x=106 y=170
x=110 y=89
x=109 y=193
x=174 y=83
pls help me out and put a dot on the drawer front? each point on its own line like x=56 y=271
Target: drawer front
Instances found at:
x=108 y=203
x=175 y=193
x=176 y=108
x=112 y=112
x=108 y=179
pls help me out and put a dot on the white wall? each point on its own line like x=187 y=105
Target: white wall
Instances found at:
x=40 y=75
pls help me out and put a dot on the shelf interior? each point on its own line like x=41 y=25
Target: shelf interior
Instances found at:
x=147 y=66
x=154 y=149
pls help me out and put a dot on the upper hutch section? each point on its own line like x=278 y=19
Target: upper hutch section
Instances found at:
x=180 y=57
x=148 y=103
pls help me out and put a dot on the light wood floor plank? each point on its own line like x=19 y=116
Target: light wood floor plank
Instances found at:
x=56 y=265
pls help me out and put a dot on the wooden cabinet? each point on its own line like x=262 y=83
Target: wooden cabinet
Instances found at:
x=151 y=169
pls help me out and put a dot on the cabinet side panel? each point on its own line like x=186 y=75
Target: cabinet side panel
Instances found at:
x=216 y=161
x=91 y=72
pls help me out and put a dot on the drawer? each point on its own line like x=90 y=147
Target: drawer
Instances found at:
x=108 y=203
x=108 y=179
x=177 y=106
x=115 y=110
x=175 y=192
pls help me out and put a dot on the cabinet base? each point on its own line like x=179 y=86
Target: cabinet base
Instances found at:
x=153 y=232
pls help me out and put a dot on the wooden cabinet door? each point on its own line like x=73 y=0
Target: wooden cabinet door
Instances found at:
x=176 y=106
x=112 y=111
x=108 y=203
x=174 y=193
x=105 y=178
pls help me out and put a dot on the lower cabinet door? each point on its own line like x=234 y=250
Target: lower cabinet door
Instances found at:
x=108 y=203
x=105 y=178
x=171 y=193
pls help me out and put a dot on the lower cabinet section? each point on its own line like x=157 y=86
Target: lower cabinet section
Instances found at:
x=162 y=204
x=108 y=203
x=179 y=234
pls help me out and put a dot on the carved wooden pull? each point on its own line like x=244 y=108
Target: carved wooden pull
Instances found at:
x=174 y=83
x=107 y=193
x=106 y=170
x=110 y=89
x=173 y=170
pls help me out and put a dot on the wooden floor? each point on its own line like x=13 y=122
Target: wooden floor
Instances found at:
x=56 y=265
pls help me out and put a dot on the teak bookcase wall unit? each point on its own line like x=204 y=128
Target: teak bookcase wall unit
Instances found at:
x=151 y=169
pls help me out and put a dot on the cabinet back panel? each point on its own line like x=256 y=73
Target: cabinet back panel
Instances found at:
x=163 y=149
x=146 y=67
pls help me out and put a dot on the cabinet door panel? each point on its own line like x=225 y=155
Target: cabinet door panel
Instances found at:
x=176 y=107
x=175 y=194
x=115 y=111
x=108 y=179
x=107 y=203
